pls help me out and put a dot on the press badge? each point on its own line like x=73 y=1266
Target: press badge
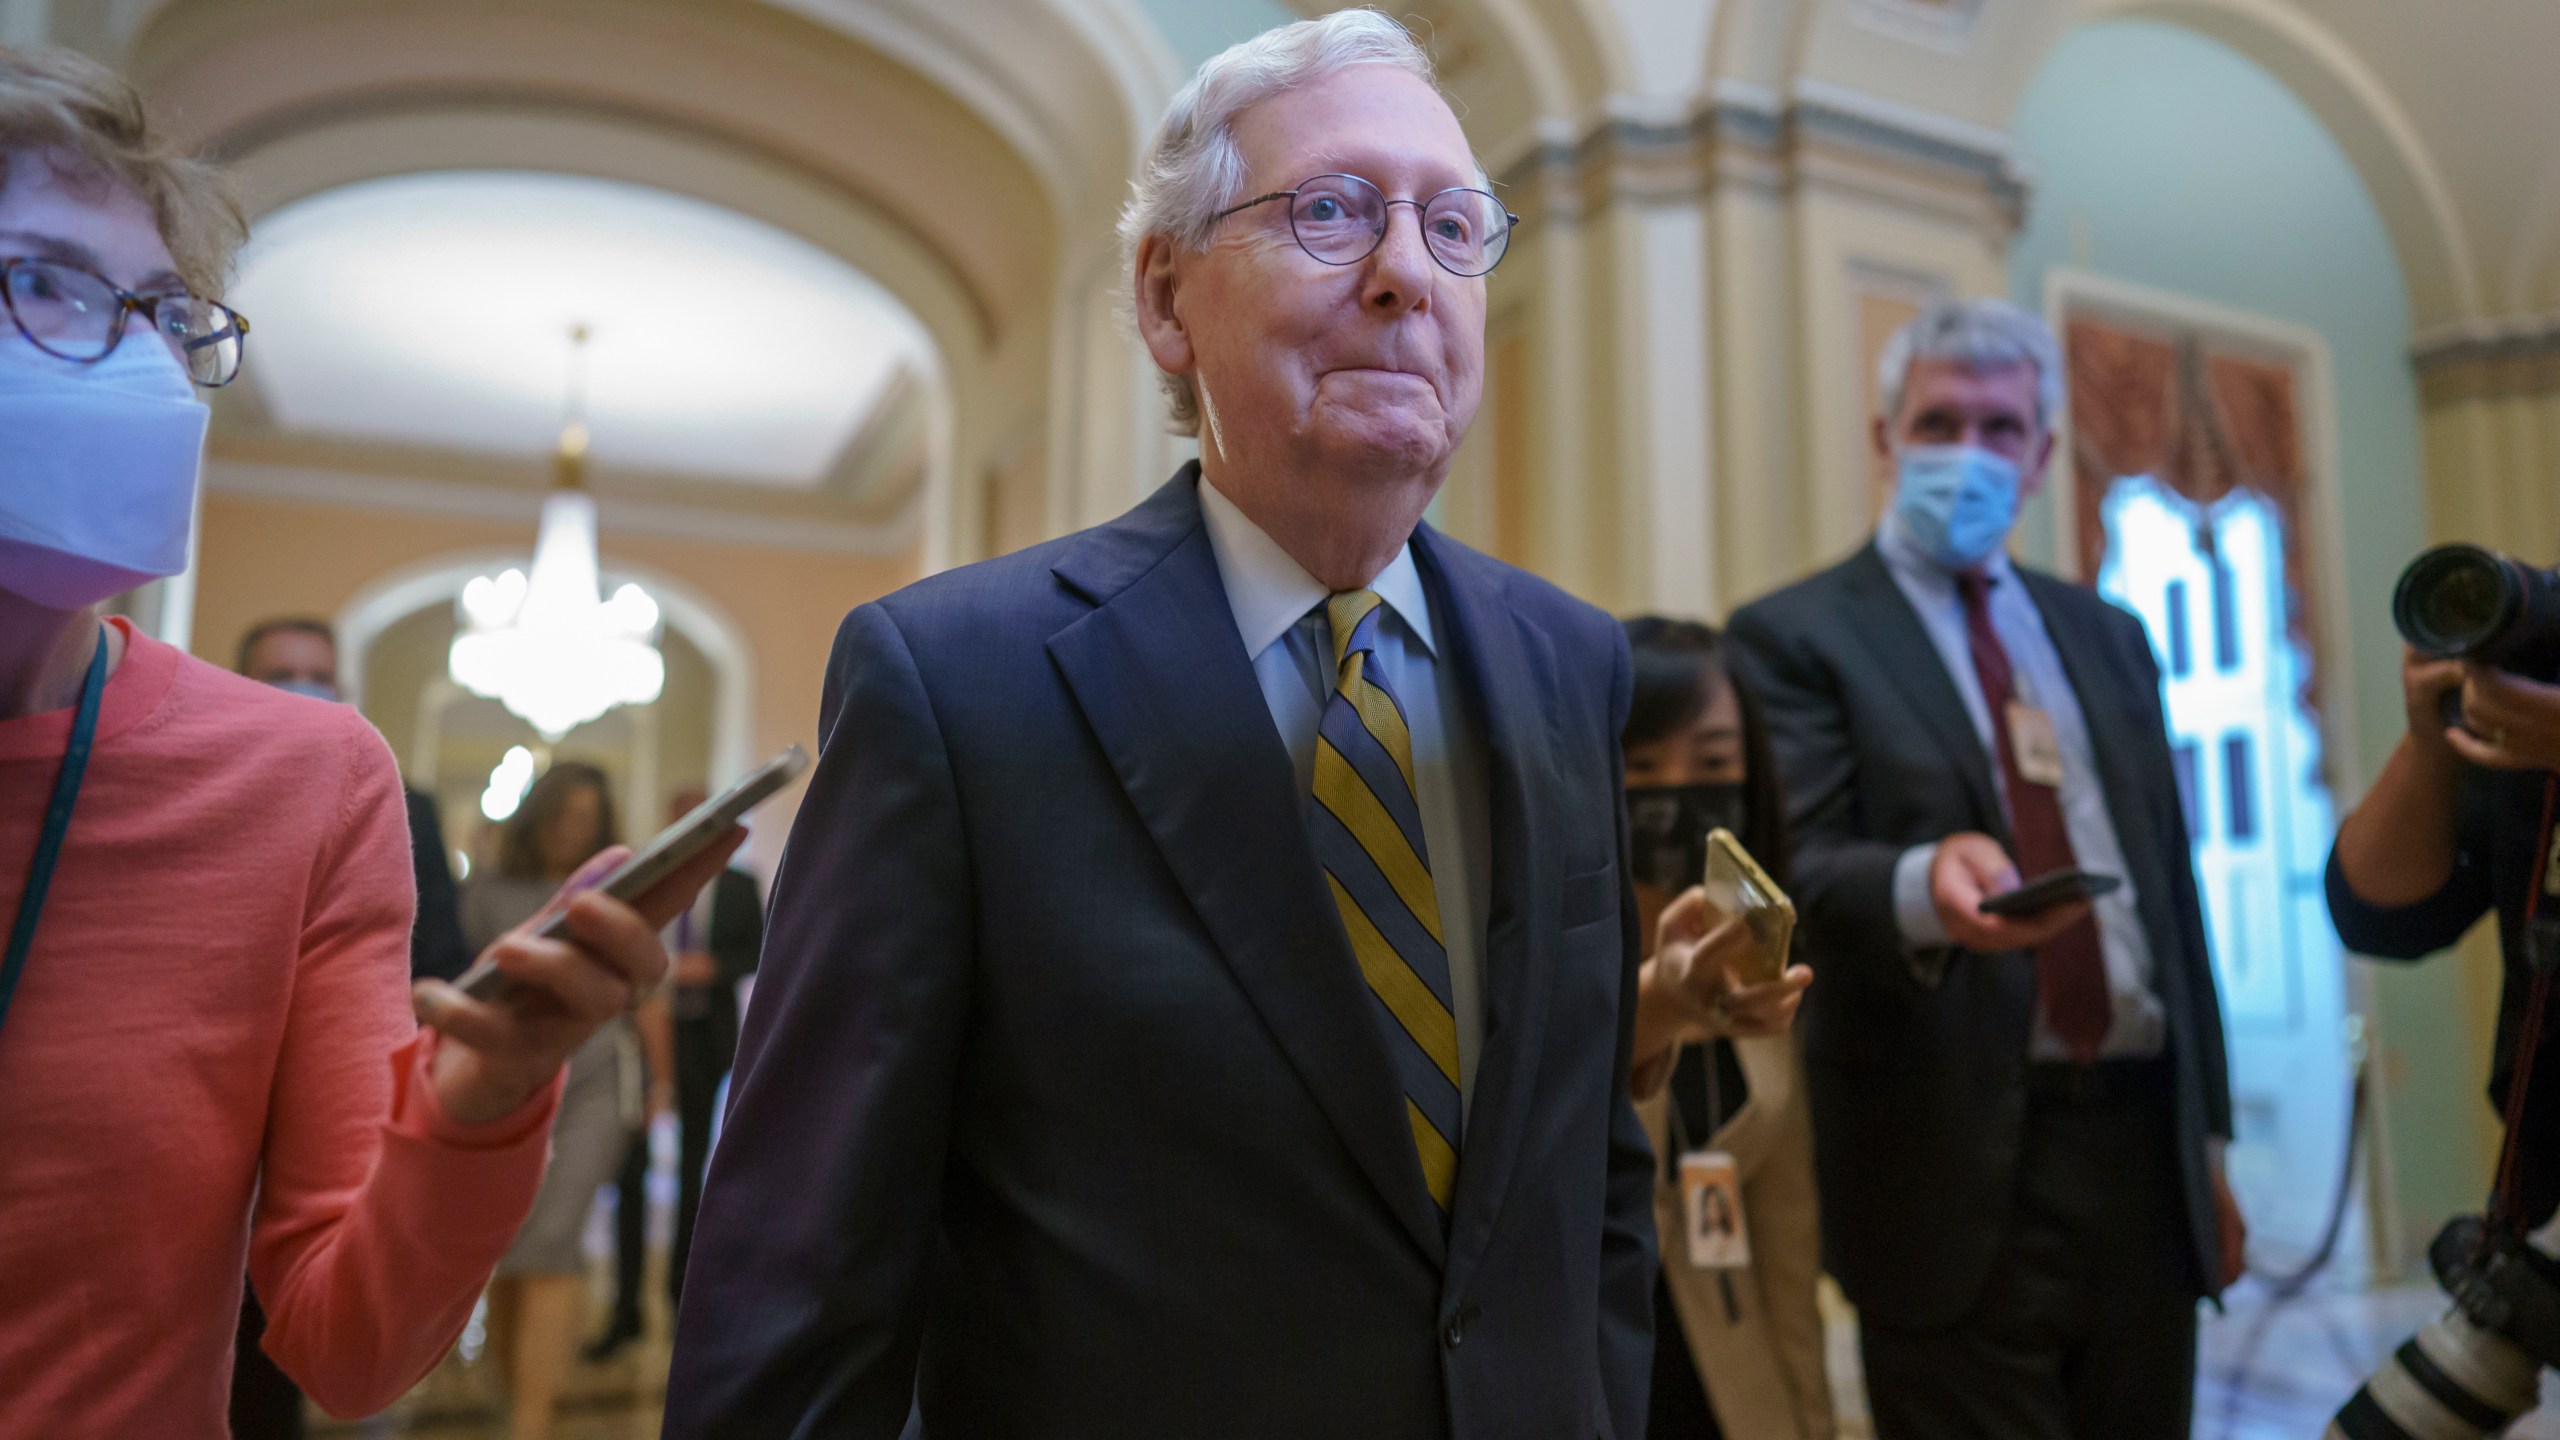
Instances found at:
x=1711 y=1199
x=2033 y=746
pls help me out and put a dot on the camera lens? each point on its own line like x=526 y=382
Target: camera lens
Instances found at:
x=2455 y=600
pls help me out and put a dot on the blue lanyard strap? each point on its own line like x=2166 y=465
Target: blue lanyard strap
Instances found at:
x=57 y=823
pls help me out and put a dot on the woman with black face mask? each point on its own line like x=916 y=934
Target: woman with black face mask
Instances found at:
x=1738 y=1351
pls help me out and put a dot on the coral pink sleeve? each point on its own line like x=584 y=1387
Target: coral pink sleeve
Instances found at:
x=378 y=1218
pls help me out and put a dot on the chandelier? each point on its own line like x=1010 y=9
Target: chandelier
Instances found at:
x=545 y=644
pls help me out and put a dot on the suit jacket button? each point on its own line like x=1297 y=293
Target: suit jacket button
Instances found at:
x=1457 y=1334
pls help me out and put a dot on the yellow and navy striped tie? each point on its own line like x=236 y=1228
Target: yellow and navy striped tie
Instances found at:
x=1368 y=836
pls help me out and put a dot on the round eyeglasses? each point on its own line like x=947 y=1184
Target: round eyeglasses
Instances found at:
x=78 y=315
x=1342 y=220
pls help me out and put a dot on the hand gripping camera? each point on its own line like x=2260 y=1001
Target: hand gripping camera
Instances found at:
x=2460 y=602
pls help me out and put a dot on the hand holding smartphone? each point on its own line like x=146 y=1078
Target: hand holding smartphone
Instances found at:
x=2046 y=891
x=709 y=824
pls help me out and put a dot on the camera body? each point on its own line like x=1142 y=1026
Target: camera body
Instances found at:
x=2502 y=1284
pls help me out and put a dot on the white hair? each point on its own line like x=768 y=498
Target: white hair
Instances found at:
x=1978 y=335
x=1195 y=170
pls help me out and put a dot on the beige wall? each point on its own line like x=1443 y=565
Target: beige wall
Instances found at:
x=2492 y=419
x=1682 y=339
x=259 y=558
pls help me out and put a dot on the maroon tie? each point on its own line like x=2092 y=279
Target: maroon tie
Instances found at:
x=2071 y=975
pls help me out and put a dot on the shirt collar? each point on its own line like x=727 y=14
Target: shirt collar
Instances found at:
x=1913 y=567
x=1269 y=592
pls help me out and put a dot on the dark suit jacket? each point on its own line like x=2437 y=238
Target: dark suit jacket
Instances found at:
x=1918 y=1089
x=437 y=950
x=1062 y=1111
x=736 y=941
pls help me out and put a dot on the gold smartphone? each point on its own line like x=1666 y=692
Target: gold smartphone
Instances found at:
x=1738 y=886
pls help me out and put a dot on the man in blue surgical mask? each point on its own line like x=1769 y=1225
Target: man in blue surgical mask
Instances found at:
x=2019 y=1117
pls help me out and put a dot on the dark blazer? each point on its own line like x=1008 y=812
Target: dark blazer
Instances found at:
x=1061 y=1110
x=736 y=941
x=437 y=950
x=1918 y=1088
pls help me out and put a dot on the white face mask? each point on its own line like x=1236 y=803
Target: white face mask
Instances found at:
x=98 y=467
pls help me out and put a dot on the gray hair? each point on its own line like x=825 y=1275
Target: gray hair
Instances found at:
x=1194 y=170
x=1978 y=335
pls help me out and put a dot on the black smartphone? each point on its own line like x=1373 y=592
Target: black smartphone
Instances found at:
x=2046 y=891
x=661 y=857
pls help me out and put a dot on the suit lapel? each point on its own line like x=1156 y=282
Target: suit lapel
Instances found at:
x=1171 y=696
x=1884 y=622
x=1507 y=674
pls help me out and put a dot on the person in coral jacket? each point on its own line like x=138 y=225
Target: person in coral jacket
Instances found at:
x=211 y=1061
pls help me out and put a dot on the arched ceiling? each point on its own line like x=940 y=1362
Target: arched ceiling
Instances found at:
x=477 y=309
x=242 y=73
x=2441 y=105
x=2473 y=79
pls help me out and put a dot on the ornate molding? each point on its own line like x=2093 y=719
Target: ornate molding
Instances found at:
x=407 y=495
x=2509 y=341
x=1749 y=135
x=1942 y=25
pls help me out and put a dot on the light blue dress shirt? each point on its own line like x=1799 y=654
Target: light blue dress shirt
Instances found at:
x=2139 y=1025
x=1279 y=614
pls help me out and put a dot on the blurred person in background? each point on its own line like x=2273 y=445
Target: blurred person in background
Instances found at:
x=1737 y=1352
x=210 y=1047
x=651 y=1024
x=2018 y=1120
x=715 y=945
x=300 y=655
x=537 y=1302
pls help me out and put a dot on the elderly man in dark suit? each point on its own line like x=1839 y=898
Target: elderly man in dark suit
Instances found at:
x=1198 y=988
x=2018 y=1121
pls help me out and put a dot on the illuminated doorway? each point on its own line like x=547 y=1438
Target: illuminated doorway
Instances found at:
x=2193 y=504
x=2208 y=582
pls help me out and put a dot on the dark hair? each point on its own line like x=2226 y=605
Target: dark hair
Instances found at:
x=283 y=625
x=1680 y=668
x=520 y=844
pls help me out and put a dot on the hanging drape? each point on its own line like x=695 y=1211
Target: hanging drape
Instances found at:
x=2202 y=422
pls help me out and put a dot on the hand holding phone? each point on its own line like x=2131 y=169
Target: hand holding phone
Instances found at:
x=1711 y=970
x=541 y=990
x=1967 y=871
x=2046 y=891
x=635 y=878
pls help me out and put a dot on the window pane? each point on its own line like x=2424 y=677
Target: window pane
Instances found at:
x=2226 y=619
x=2237 y=788
x=2181 y=652
x=2182 y=759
